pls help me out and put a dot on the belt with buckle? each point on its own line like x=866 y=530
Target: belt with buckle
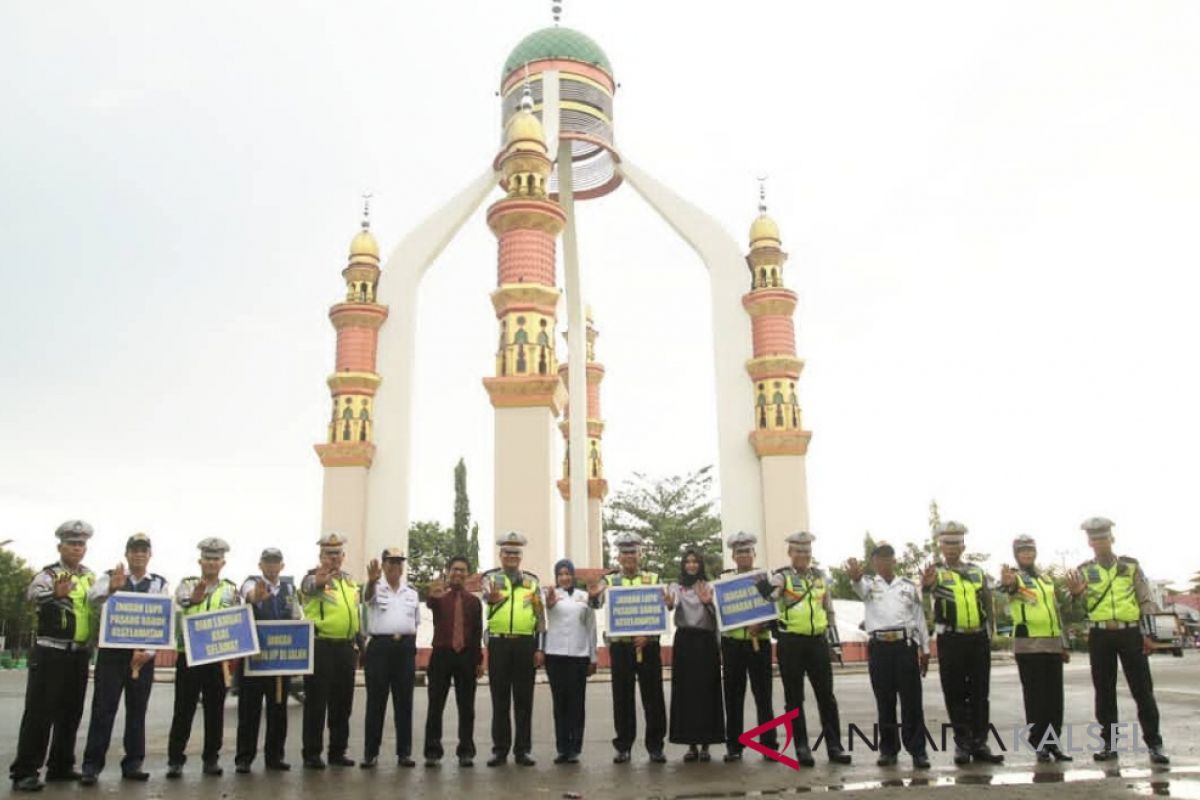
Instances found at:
x=1113 y=625
x=948 y=629
x=69 y=647
x=393 y=637
x=509 y=635
x=891 y=635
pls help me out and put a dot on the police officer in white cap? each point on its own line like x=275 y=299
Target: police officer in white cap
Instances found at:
x=806 y=625
x=962 y=609
x=746 y=652
x=1118 y=601
x=58 y=667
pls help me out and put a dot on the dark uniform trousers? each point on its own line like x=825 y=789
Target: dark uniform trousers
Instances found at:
x=391 y=668
x=1042 y=687
x=329 y=690
x=740 y=661
x=511 y=674
x=1104 y=648
x=252 y=693
x=445 y=667
x=801 y=655
x=895 y=670
x=648 y=677
x=54 y=697
x=205 y=683
x=113 y=679
x=965 y=669
x=568 y=688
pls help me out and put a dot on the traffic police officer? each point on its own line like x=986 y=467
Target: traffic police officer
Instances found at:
x=806 y=618
x=1117 y=596
x=634 y=660
x=393 y=614
x=516 y=626
x=897 y=653
x=209 y=592
x=1039 y=647
x=58 y=667
x=271 y=599
x=330 y=597
x=122 y=672
x=746 y=652
x=962 y=610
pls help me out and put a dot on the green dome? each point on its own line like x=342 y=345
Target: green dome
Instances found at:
x=556 y=43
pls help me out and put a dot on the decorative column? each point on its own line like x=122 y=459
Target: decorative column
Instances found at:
x=347 y=451
x=597 y=486
x=779 y=437
x=526 y=392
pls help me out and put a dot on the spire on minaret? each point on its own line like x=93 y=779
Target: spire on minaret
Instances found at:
x=762 y=194
x=366 y=220
x=556 y=8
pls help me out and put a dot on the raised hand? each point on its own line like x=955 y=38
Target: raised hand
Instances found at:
x=374 y=571
x=929 y=575
x=596 y=589
x=704 y=592
x=321 y=577
x=495 y=595
x=116 y=581
x=62 y=585
x=261 y=592
x=1008 y=576
x=199 y=591
x=551 y=597
x=1075 y=582
x=854 y=570
x=437 y=589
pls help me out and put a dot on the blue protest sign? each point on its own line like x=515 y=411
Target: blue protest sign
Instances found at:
x=219 y=635
x=636 y=611
x=739 y=603
x=137 y=621
x=286 y=648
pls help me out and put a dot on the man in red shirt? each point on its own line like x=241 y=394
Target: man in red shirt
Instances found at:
x=457 y=656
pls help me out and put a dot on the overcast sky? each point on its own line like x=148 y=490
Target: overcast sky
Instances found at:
x=991 y=212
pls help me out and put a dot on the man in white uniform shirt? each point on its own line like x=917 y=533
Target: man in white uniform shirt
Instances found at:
x=897 y=655
x=393 y=613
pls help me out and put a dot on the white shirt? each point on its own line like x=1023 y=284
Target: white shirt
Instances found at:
x=393 y=612
x=571 y=626
x=893 y=605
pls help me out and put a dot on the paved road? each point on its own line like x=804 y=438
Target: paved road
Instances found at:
x=1178 y=691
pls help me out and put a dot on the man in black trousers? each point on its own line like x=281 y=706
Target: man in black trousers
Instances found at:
x=457 y=657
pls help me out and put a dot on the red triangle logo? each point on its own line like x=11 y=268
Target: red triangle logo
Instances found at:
x=747 y=739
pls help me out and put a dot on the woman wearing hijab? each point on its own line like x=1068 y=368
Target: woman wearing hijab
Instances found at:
x=570 y=658
x=697 y=711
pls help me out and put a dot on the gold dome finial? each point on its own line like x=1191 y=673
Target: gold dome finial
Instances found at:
x=764 y=232
x=364 y=243
x=524 y=130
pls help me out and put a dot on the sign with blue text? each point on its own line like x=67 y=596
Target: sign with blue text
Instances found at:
x=285 y=648
x=219 y=635
x=138 y=621
x=636 y=611
x=739 y=603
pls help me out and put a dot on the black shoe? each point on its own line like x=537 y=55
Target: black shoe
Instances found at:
x=560 y=759
x=572 y=758
x=497 y=761
x=87 y=779
x=1157 y=756
x=705 y=756
x=920 y=762
x=524 y=760
x=805 y=757
x=436 y=762
x=732 y=756
x=405 y=761
x=341 y=761
x=1059 y=755
x=29 y=783
x=466 y=762
x=370 y=762
x=314 y=763
x=278 y=766
x=839 y=756
x=657 y=757
x=985 y=755
x=1104 y=755
x=1044 y=756
x=962 y=756
x=174 y=770
x=885 y=761
x=692 y=754
x=242 y=768
x=63 y=777
x=214 y=769
x=135 y=775
x=622 y=757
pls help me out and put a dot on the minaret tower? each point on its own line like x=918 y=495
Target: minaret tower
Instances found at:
x=779 y=437
x=347 y=451
x=526 y=392
x=597 y=486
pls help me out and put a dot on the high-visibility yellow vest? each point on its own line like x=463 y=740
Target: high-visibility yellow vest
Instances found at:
x=224 y=596
x=1111 y=593
x=517 y=612
x=956 y=601
x=334 y=610
x=1033 y=607
x=805 y=615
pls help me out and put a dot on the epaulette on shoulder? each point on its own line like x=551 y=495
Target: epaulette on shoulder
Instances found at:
x=612 y=572
x=491 y=571
x=781 y=571
x=530 y=574
x=50 y=567
x=1086 y=564
x=231 y=583
x=154 y=576
x=1127 y=560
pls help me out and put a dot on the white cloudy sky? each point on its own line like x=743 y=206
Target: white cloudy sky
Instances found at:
x=991 y=212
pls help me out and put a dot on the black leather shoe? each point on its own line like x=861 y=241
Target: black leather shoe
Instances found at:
x=497 y=761
x=466 y=762
x=1059 y=755
x=341 y=761
x=1104 y=755
x=370 y=762
x=572 y=758
x=962 y=756
x=436 y=762
x=214 y=769
x=278 y=766
x=135 y=775
x=622 y=757
x=885 y=761
x=29 y=783
x=692 y=754
x=705 y=756
x=657 y=757
x=63 y=777
x=984 y=755
x=314 y=763
x=88 y=779
x=174 y=770
x=560 y=759
x=524 y=760
x=405 y=761
x=805 y=757
x=1157 y=756
x=839 y=756
x=920 y=762
x=241 y=768
x=731 y=757
x=1044 y=756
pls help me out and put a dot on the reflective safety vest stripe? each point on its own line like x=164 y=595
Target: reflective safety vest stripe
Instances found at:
x=964 y=592
x=805 y=616
x=1033 y=607
x=334 y=611
x=516 y=613
x=79 y=605
x=1110 y=592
